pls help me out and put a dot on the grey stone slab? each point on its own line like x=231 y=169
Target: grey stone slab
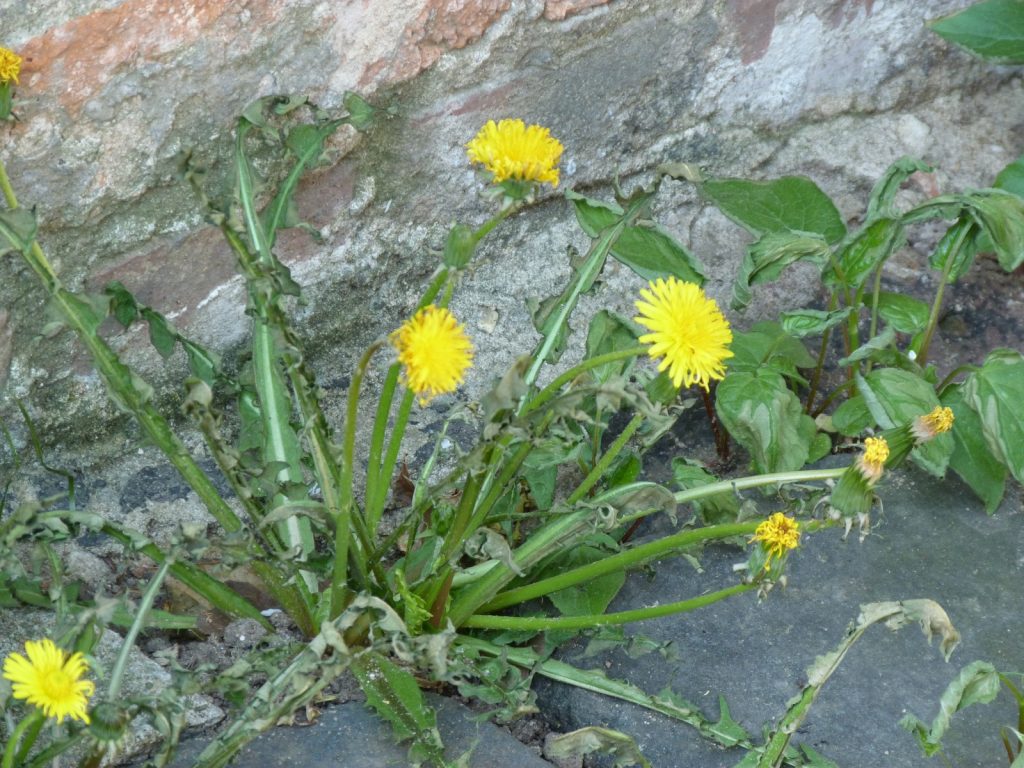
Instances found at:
x=352 y=736
x=933 y=541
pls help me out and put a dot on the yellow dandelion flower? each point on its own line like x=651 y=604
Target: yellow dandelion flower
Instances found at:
x=10 y=66
x=872 y=461
x=512 y=150
x=435 y=351
x=935 y=423
x=51 y=680
x=688 y=331
x=778 y=534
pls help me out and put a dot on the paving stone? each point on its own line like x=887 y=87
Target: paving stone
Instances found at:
x=933 y=541
x=352 y=736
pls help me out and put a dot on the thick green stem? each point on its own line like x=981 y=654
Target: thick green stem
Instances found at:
x=552 y=389
x=582 y=280
x=563 y=531
x=27 y=722
x=876 y=290
x=832 y=396
x=603 y=619
x=346 y=502
x=122 y=381
x=595 y=475
x=933 y=316
x=380 y=425
x=219 y=595
x=621 y=561
x=948 y=381
x=375 y=508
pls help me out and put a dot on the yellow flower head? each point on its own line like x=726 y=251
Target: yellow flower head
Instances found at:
x=435 y=351
x=935 y=423
x=872 y=461
x=688 y=331
x=10 y=66
x=512 y=150
x=51 y=680
x=778 y=534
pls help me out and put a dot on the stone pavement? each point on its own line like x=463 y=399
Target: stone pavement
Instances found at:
x=351 y=736
x=933 y=541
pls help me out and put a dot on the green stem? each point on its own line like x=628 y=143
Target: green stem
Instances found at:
x=603 y=619
x=816 y=376
x=121 y=380
x=559 y=533
x=552 y=389
x=145 y=605
x=343 y=522
x=582 y=280
x=220 y=596
x=832 y=396
x=12 y=744
x=933 y=316
x=482 y=232
x=876 y=290
x=759 y=481
x=948 y=381
x=563 y=531
x=620 y=561
x=380 y=425
x=47 y=756
x=606 y=460
x=375 y=510
x=30 y=739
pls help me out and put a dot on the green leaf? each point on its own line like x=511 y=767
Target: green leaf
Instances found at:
x=1011 y=178
x=361 y=113
x=394 y=695
x=864 y=253
x=591 y=597
x=122 y=304
x=992 y=29
x=999 y=213
x=594 y=215
x=609 y=332
x=868 y=349
x=807 y=322
x=18 y=228
x=995 y=393
x=1001 y=216
x=894 y=398
x=625 y=471
x=852 y=417
x=652 y=252
x=792 y=203
x=767 y=345
x=766 y=418
x=548 y=313
x=905 y=314
x=568 y=748
x=820 y=447
x=766 y=258
x=957 y=249
x=204 y=364
x=885 y=189
x=977 y=683
x=162 y=335
x=722 y=507
x=971 y=458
